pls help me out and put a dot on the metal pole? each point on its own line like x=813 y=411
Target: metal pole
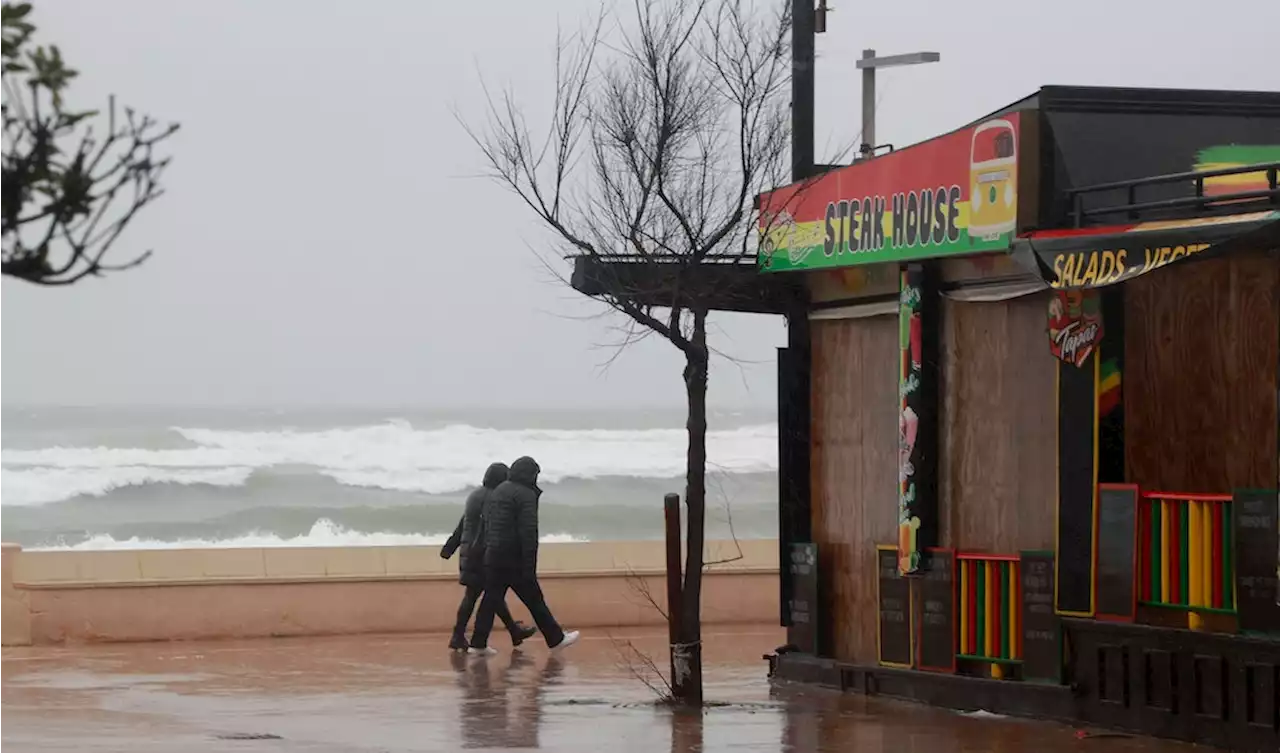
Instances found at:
x=802 y=65
x=868 y=105
x=671 y=512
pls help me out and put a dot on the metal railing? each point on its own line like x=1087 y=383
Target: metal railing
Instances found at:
x=749 y=259
x=1198 y=203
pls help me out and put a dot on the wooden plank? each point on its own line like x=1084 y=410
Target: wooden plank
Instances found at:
x=854 y=471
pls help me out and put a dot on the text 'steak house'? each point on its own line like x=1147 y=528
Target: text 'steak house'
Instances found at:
x=1029 y=424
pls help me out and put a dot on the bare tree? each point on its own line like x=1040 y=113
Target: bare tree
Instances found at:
x=68 y=191
x=661 y=135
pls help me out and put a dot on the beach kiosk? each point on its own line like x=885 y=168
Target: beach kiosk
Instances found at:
x=1028 y=427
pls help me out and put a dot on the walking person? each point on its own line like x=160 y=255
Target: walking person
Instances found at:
x=468 y=541
x=511 y=557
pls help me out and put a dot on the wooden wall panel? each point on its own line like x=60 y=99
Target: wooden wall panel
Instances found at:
x=855 y=471
x=1200 y=375
x=999 y=441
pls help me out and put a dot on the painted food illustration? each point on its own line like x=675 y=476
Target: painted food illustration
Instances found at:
x=908 y=557
x=908 y=426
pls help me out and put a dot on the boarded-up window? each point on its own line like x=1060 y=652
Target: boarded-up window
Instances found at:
x=855 y=471
x=1200 y=375
x=998 y=466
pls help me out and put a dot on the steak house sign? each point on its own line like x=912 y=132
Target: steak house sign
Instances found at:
x=956 y=194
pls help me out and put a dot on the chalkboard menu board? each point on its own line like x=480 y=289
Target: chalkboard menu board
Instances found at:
x=894 y=600
x=803 y=606
x=1255 y=538
x=1041 y=629
x=935 y=612
x=1117 y=533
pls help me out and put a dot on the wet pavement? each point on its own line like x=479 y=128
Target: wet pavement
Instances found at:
x=408 y=693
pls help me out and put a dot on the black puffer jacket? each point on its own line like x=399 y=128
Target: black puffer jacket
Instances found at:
x=471 y=551
x=511 y=523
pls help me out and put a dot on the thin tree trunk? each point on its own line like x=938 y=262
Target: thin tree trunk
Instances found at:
x=695 y=383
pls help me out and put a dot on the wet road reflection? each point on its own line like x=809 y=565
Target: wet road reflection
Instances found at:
x=408 y=693
x=686 y=731
x=502 y=699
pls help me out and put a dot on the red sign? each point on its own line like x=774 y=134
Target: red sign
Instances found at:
x=1075 y=325
x=953 y=195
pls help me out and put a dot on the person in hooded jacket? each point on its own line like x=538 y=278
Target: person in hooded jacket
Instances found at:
x=511 y=557
x=467 y=540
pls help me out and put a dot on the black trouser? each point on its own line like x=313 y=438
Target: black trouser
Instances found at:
x=468 y=605
x=528 y=590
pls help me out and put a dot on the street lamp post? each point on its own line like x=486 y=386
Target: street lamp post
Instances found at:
x=868 y=64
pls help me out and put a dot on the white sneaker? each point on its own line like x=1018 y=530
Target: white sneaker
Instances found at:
x=486 y=651
x=569 y=639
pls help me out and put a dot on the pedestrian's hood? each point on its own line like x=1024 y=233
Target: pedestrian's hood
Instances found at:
x=525 y=471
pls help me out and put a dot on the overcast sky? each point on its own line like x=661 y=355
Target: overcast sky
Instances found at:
x=322 y=242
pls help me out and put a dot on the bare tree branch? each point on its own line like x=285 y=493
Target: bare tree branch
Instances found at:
x=642 y=667
x=733 y=533
x=638 y=585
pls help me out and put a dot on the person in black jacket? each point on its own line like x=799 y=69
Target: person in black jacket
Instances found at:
x=511 y=557
x=471 y=562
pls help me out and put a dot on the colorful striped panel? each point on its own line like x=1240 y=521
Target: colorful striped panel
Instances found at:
x=990 y=601
x=1184 y=552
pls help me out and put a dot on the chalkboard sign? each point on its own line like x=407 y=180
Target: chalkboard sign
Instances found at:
x=1076 y=444
x=1254 y=537
x=1040 y=624
x=803 y=606
x=1117 y=552
x=894 y=600
x=935 y=612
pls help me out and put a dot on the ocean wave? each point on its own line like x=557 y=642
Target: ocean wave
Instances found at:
x=40 y=485
x=324 y=533
x=398 y=457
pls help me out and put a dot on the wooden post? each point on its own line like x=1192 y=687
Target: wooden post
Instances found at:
x=675 y=592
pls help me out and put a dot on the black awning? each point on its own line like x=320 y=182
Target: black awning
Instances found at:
x=719 y=283
x=1101 y=256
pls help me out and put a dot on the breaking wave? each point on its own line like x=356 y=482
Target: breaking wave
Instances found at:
x=324 y=533
x=39 y=485
x=393 y=456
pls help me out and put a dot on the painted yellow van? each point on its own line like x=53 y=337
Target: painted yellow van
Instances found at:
x=993 y=181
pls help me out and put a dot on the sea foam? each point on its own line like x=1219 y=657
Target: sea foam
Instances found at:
x=324 y=533
x=394 y=456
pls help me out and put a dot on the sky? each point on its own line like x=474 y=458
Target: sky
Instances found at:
x=326 y=238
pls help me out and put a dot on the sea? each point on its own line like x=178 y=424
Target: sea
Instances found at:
x=112 y=478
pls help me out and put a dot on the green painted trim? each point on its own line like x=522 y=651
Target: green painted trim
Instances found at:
x=1005 y=638
x=1184 y=553
x=1186 y=608
x=812 y=257
x=990 y=659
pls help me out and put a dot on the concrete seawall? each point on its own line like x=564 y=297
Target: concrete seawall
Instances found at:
x=188 y=594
